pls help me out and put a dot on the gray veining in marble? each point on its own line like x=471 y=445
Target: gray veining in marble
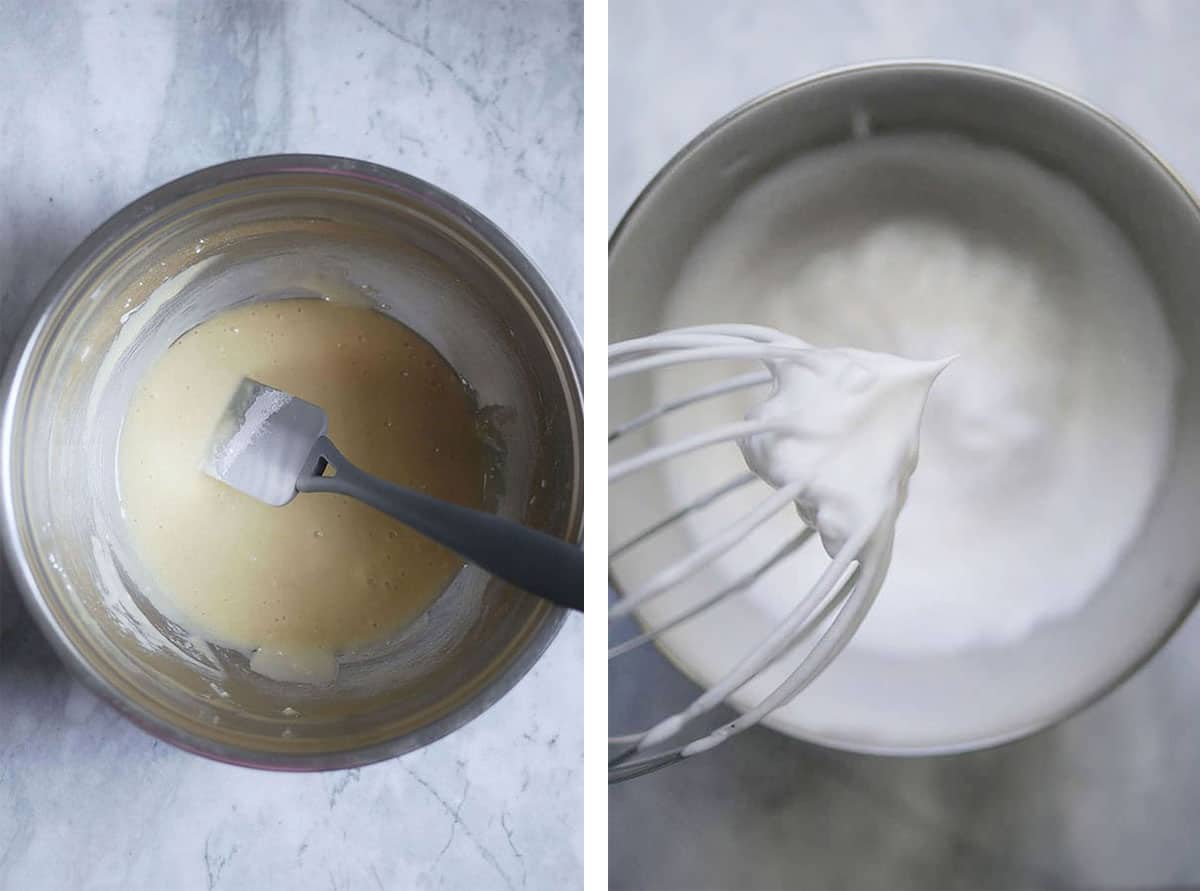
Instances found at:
x=100 y=102
x=1110 y=798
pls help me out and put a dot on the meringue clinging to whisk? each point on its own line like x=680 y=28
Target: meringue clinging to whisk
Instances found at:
x=837 y=436
x=853 y=421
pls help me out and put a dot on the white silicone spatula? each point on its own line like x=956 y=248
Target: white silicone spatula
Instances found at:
x=272 y=445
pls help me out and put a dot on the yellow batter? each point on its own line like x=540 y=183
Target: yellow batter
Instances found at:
x=294 y=586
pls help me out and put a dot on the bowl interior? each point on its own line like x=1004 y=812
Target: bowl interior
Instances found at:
x=947 y=702
x=284 y=229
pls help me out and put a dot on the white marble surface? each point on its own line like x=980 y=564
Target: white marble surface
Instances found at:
x=1110 y=798
x=98 y=103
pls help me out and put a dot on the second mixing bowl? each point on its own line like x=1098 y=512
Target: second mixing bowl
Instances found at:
x=867 y=701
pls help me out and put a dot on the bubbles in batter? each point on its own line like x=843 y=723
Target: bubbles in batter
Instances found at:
x=298 y=585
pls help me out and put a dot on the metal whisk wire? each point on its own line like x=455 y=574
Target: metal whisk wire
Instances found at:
x=823 y=620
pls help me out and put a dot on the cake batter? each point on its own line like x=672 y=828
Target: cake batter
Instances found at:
x=294 y=587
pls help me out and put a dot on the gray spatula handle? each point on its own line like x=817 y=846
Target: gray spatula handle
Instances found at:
x=540 y=564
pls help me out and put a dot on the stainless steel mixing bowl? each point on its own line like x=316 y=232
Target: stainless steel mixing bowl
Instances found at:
x=271 y=227
x=961 y=701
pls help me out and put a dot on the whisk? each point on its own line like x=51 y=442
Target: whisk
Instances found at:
x=822 y=621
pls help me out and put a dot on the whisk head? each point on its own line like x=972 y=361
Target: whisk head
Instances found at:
x=822 y=619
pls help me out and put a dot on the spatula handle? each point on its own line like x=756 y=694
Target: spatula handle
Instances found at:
x=534 y=561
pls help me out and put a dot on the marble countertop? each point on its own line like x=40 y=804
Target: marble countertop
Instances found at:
x=100 y=102
x=1110 y=798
